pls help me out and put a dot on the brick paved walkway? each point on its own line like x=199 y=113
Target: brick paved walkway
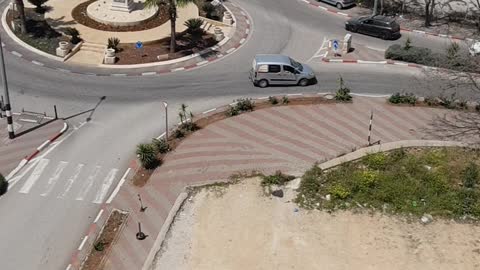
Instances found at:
x=290 y=139
x=13 y=151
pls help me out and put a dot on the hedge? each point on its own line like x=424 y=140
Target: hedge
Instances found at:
x=418 y=55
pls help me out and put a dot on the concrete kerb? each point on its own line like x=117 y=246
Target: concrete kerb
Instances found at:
x=39 y=149
x=388 y=147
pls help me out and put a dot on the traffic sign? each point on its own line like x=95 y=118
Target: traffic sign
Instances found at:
x=335 y=45
x=139 y=45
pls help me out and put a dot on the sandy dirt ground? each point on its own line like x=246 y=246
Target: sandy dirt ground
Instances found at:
x=240 y=228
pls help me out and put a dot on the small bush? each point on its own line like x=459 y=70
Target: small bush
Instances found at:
x=194 y=26
x=210 y=10
x=470 y=176
x=74 y=35
x=273 y=100
x=178 y=133
x=276 y=179
x=232 y=111
x=376 y=161
x=405 y=98
x=147 y=155
x=343 y=92
x=285 y=100
x=38 y=5
x=3 y=185
x=408 y=44
x=99 y=246
x=309 y=190
x=161 y=145
x=242 y=105
x=339 y=191
x=422 y=56
x=186 y=119
x=113 y=43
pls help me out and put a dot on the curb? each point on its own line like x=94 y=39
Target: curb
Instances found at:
x=37 y=151
x=402 y=29
x=384 y=62
x=387 y=147
x=243 y=37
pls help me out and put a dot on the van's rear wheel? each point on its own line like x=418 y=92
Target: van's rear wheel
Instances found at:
x=262 y=83
x=339 y=6
x=303 y=82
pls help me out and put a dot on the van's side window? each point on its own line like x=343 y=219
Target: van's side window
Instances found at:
x=274 y=68
x=289 y=69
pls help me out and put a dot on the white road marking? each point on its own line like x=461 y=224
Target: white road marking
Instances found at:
x=37 y=63
x=37 y=172
x=107 y=182
x=118 y=75
x=177 y=69
x=322 y=47
x=117 y=188
x=211 y=110
x=83 y=243
x=16 y=53
x=343 y=14
x=299 y=94
x=242 y=41
x=56 y=175
x=88 y=184
x=202 y=63
x=98 y=216
x=64 y=70
x=71 y=180
x=375 y=49
x=230 y=50
x=149 y=73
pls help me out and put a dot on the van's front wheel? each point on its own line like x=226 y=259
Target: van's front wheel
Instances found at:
x=303 y=82
x=262 y=83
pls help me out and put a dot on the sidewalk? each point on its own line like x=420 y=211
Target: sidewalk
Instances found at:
x=13 y=151
x=290 y=139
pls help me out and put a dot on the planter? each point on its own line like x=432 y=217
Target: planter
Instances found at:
x=64 y=45
x=110 y=52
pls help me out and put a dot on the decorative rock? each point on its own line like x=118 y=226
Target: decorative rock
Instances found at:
x=63 y=48
x=426 y=218
x=329 y=96
x=294 y=184
x=278 y=193
x=109 y=56
x=110 y=52
x=64 y=45
x=227 y=18
x=328 y=197
x=162 y=57
x=421 y=99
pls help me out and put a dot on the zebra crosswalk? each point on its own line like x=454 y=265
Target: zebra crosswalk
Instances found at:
x=69 y=181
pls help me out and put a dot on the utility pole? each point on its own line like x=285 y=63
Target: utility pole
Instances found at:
x=8 y=108
x=166 y=120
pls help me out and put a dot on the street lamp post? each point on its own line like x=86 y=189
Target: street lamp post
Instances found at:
x=166 y=120
x=8 y=108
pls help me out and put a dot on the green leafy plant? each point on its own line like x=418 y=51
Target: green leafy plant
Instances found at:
x=309 y=190
x=422 y=56
x=339 y=191
x=74 y=35
x=194 y=30
x=285 y=100
x=178 y=133
x=210 y=10
x=147 y=155
x=343 y=92
x=470 y=176
x=241 y=105
x=38 y=5
x=186 y=120
x=3 y=185
x=99 y=246
x=403 y=98
x=408 y=44
x=232 y=111
x=161 y=145
x=276 y=179
x=273 y=100
x=113 y=43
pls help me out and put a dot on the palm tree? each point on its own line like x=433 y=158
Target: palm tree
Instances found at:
x=147 y=155
x=21 y=14
x=172 y=11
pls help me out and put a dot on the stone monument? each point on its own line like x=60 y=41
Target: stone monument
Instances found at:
x=120 y=12
x=122 y=5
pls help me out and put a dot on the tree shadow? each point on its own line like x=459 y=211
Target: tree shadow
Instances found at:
x=456 y=126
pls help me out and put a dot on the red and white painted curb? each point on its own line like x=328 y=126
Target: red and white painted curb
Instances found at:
x=402 y=29
x=37 y=151
x=384 y=62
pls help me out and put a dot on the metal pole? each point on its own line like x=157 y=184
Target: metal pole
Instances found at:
x=55 y=109
x=370 y=128
x=166 y=120
x=8 y=108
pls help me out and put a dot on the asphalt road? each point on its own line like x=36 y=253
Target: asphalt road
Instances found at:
x=45 y=214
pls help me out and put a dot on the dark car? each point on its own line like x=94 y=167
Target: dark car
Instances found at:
x=379 y=26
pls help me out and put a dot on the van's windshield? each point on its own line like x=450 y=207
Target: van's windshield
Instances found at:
x=296 y=64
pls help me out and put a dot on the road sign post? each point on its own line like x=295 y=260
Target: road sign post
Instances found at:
x=336 y=48
x=139 y=47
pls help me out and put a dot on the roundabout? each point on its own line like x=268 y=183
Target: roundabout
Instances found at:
x=133 y=112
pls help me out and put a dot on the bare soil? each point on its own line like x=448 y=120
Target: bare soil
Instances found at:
x=79 y=14
x=241 y=228
x=95 y=260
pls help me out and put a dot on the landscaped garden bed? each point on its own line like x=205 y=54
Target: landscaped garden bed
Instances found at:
x=105 y=240
x=40 y=34
x=79 y=14
x=416 y=181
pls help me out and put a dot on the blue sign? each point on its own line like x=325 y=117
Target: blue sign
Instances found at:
x=139 y=45
x=335 y=44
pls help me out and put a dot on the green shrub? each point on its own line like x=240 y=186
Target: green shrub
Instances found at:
x=99 y=246
x=3 y=185
x=273 y=100
x=210 y=10
x=377 y=161
x=470 y=176
x=309 y=189
x=276 y=179
x=405 y=98
x=113 y=43
x=368 y=178
x=422 y=56
x=147 y=155
x=194 y=26
x=161 y=145
x=343 y=92
x=285 y=100
x=241 y=105
x=408 y=44
x=186 y=121
x=74 y=35
x=339 y=191
x=178 y=133
x=38 y=5
x=232 y=111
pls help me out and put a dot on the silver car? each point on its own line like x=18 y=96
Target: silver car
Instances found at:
x=340 y=4
x=277 y=69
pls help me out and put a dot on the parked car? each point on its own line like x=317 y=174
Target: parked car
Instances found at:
x=379 y=26
x=277 y=69
x=340 y=3
x=475 y=48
